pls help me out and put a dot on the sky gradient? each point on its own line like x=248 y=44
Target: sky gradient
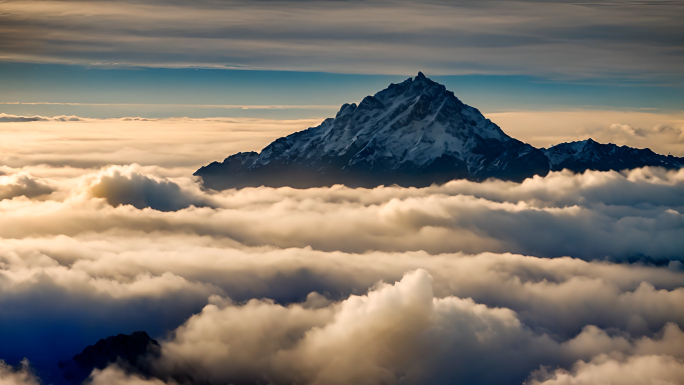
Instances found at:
x=163 y=59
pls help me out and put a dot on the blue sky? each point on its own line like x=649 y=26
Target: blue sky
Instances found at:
x=49 y=89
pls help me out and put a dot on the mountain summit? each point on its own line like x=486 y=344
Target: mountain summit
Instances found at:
x=414 y=133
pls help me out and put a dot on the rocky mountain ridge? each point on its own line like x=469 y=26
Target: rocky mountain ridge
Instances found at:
x=588 y=154
x=414 y=133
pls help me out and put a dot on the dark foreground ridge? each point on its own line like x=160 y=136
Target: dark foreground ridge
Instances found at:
x=415 y=133
x=130 y=352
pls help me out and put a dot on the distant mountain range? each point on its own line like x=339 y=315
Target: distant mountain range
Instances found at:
x=415 y=133
x=591 y=155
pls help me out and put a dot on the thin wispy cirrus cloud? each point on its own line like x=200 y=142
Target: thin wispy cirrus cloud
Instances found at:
x=624 y=39
x=154 y=58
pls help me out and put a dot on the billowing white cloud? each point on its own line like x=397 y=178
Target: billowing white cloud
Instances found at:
x=21 y=184
x=127 y=186
x=604 y=369
x=392 y=334
x=17 y=376
x=400 y=333
x=634 y=215
x=113 y=375
x=283 y=285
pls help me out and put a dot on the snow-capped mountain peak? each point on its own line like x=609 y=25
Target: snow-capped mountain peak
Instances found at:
x=590 y=154
x=412 y=133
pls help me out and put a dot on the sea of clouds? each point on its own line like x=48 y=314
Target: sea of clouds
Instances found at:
x=563 y=279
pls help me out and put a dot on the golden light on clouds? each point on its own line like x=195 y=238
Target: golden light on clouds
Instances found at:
x=108 y=239
x=102 y=224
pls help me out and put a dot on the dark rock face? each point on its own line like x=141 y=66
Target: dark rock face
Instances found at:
x=415 y=133
x=130 y=352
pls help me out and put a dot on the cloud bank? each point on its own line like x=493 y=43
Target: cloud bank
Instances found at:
x=170 y=143
x=559 y=279
x=18 y=185
x=126 y=247
x=661 y=133
x=124 y=186
x=630 y=371
x=395 y=334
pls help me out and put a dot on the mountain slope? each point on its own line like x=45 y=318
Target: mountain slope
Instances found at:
x=591 y=155
x=414 y=133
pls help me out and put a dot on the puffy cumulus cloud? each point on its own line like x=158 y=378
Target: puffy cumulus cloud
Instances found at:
x=113 y=375
x=127 y=186
x=394 y=333
x=399 y=333
x=78 y=260
x=635 y=215
x=560 y=295
x=633 y=370
x=22 y=184
x=593 y=342
x=21 y=375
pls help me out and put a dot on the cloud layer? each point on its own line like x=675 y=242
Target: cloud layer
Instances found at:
x=170 y=143
x=559 y=279
x=123 y=245
x=396 y=334
x=662 y=133
x=654 y=369
x=20 y=184
x=560 y=38
x=123 y=186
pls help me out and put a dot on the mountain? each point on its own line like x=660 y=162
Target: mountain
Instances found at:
x=591 y=155
x=415 y=133
x=131 y=352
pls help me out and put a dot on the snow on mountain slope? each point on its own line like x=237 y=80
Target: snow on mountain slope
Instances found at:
x=591 y=155
x=414 y=133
